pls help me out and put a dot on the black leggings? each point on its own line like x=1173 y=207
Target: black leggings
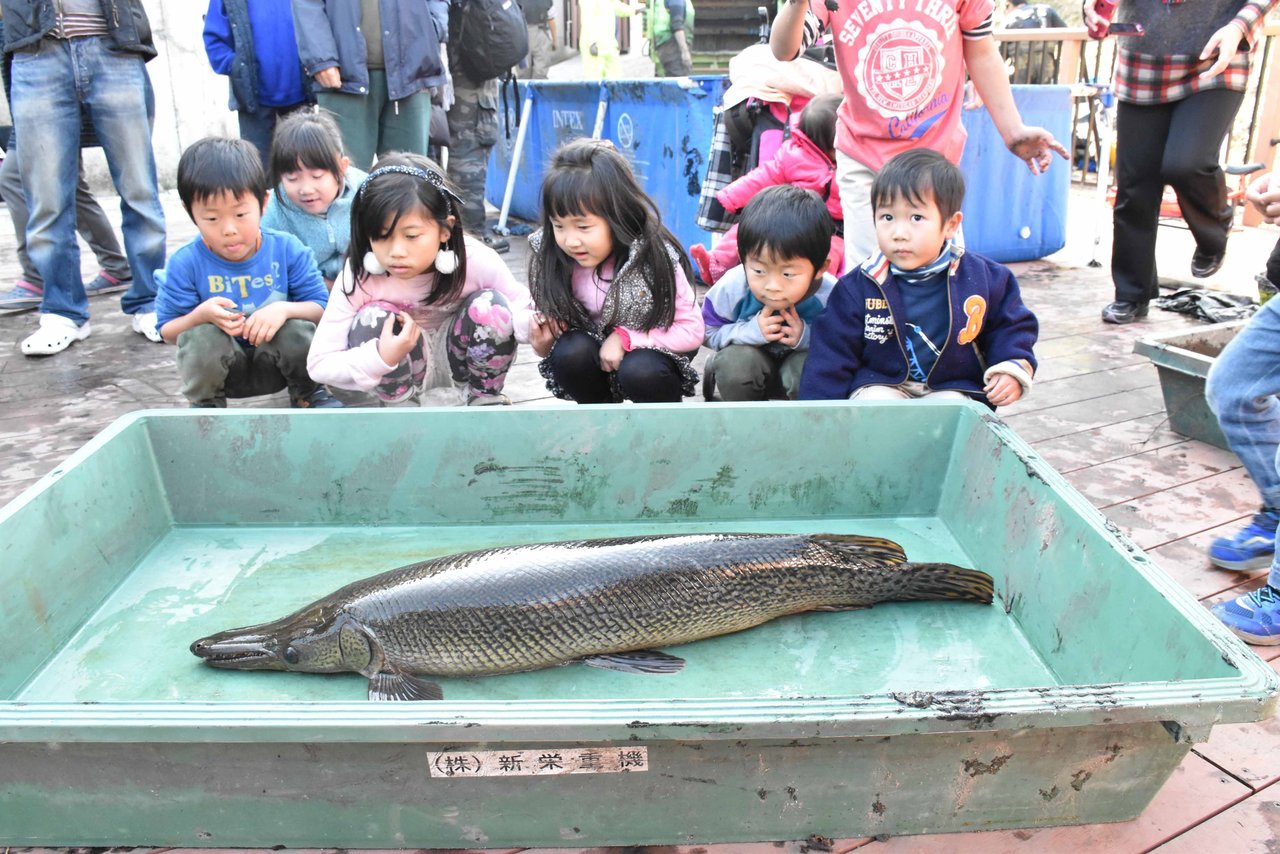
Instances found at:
x=645 y=376
x=1175 y=144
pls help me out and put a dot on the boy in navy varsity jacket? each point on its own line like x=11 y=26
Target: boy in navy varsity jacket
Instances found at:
x=922 y=317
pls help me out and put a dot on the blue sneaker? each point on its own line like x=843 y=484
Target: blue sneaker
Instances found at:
x=1252 y=547
x=1254 y=617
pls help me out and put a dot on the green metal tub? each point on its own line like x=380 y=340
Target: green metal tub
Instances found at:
x=1070 y=700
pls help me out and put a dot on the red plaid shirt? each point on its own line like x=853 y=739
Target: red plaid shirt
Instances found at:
x=1144 y=79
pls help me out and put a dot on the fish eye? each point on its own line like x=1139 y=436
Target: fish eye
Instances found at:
x=290 y=655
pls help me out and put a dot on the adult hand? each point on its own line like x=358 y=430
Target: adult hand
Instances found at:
x=771 y=325
x=792 y=326
x=594 y=50
x=1033 y=145
x=329 y=78
x=1226 y=43
x=611 y=352
x=1094 y=22
x=394 y=346
x=224 y=314
x=1264 y=194
x=263 y=324
x=543 y=332
x=1002 y=390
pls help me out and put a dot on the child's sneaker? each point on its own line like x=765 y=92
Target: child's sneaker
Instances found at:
x=1252 y=547
x=318 y=399
x=23 y=296
x=1254 y=617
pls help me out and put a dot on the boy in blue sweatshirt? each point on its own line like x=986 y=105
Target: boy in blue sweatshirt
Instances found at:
x=758 y=313
x=922 y=316
x=240 y=301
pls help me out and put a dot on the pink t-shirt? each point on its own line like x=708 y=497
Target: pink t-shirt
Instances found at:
x=902 y=66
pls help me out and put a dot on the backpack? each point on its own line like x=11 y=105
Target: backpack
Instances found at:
x=492 y=37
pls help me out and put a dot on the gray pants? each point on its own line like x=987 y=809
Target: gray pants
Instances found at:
x=215 y=366
x=671 y=61
x=473 y=128
x=91 y=222
x=539 y=53
x=744 y=372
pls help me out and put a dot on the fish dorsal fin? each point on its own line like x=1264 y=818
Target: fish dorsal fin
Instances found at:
x=636 y=661
x=875 y=549
x=398 y=685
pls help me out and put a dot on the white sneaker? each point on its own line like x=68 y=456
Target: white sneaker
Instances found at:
x=144 y=323
x=56 y=333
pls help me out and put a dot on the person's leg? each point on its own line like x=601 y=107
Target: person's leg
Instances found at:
x=258 y=126
x=574 y=365
x=357 y=118
x=880 y=392
x=1200 y=122
x=1273 y=265
x=46 y=115
x=404 y=125
x=121 y=105
x=95 y=228
x=16 y=200
x=207 y=357
x=282 y=363
x=648 y=376
x=855 y=180
x=473 y=129
x=481 y=346
x=789 y=373
x=539 y=53
x=403 y=382
x=1241 y=390
x=1140 y=143
x=744 y=372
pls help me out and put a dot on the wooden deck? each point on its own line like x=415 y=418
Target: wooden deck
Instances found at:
x=1096 y=414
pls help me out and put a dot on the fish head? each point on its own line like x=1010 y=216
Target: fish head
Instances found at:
x=317 y=639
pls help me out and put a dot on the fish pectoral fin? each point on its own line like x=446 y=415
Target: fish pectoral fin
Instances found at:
x=840 y=608
x=398 y=685
x=636 y=661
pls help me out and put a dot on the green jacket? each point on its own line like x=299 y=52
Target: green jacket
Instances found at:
x=661 y=17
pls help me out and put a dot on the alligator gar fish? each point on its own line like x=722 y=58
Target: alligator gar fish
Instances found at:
x=606 y=602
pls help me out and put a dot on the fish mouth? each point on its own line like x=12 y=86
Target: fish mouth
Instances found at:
x=238 y=651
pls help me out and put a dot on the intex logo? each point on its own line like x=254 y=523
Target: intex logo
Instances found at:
x=571 y=119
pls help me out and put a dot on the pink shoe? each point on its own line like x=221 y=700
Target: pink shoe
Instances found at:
x=700 y=257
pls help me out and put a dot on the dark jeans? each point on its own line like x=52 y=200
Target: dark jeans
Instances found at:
x=214 y=365
x=258 y=125
x=1175 y=144
x=645 y=376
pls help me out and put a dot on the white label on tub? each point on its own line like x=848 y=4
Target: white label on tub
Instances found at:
x=551 y=761
x=571 y=119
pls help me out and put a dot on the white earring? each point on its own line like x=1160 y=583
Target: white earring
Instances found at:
x=372 y=265
x=446 y=261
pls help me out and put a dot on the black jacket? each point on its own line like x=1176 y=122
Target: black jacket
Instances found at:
x=26 y=22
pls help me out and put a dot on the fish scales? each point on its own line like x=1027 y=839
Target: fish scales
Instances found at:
x=526 y=607
x=571 y=599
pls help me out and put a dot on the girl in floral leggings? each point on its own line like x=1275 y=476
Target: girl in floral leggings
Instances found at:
x=418 y=306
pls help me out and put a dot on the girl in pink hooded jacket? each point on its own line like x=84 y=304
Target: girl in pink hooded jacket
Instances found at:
x=806 y=160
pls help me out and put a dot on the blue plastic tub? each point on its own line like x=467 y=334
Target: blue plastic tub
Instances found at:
x=663 y=127
x=1010 y=214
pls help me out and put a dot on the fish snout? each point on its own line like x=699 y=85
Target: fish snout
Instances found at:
x=239 y=650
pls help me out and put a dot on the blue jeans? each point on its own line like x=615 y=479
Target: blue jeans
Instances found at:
x=50 y=84
x=1241 y=391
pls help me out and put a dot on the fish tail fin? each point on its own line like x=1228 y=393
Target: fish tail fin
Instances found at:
x=877 y=549
x=944 y=581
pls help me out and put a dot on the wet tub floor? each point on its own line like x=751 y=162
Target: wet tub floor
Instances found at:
x=198 y=580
